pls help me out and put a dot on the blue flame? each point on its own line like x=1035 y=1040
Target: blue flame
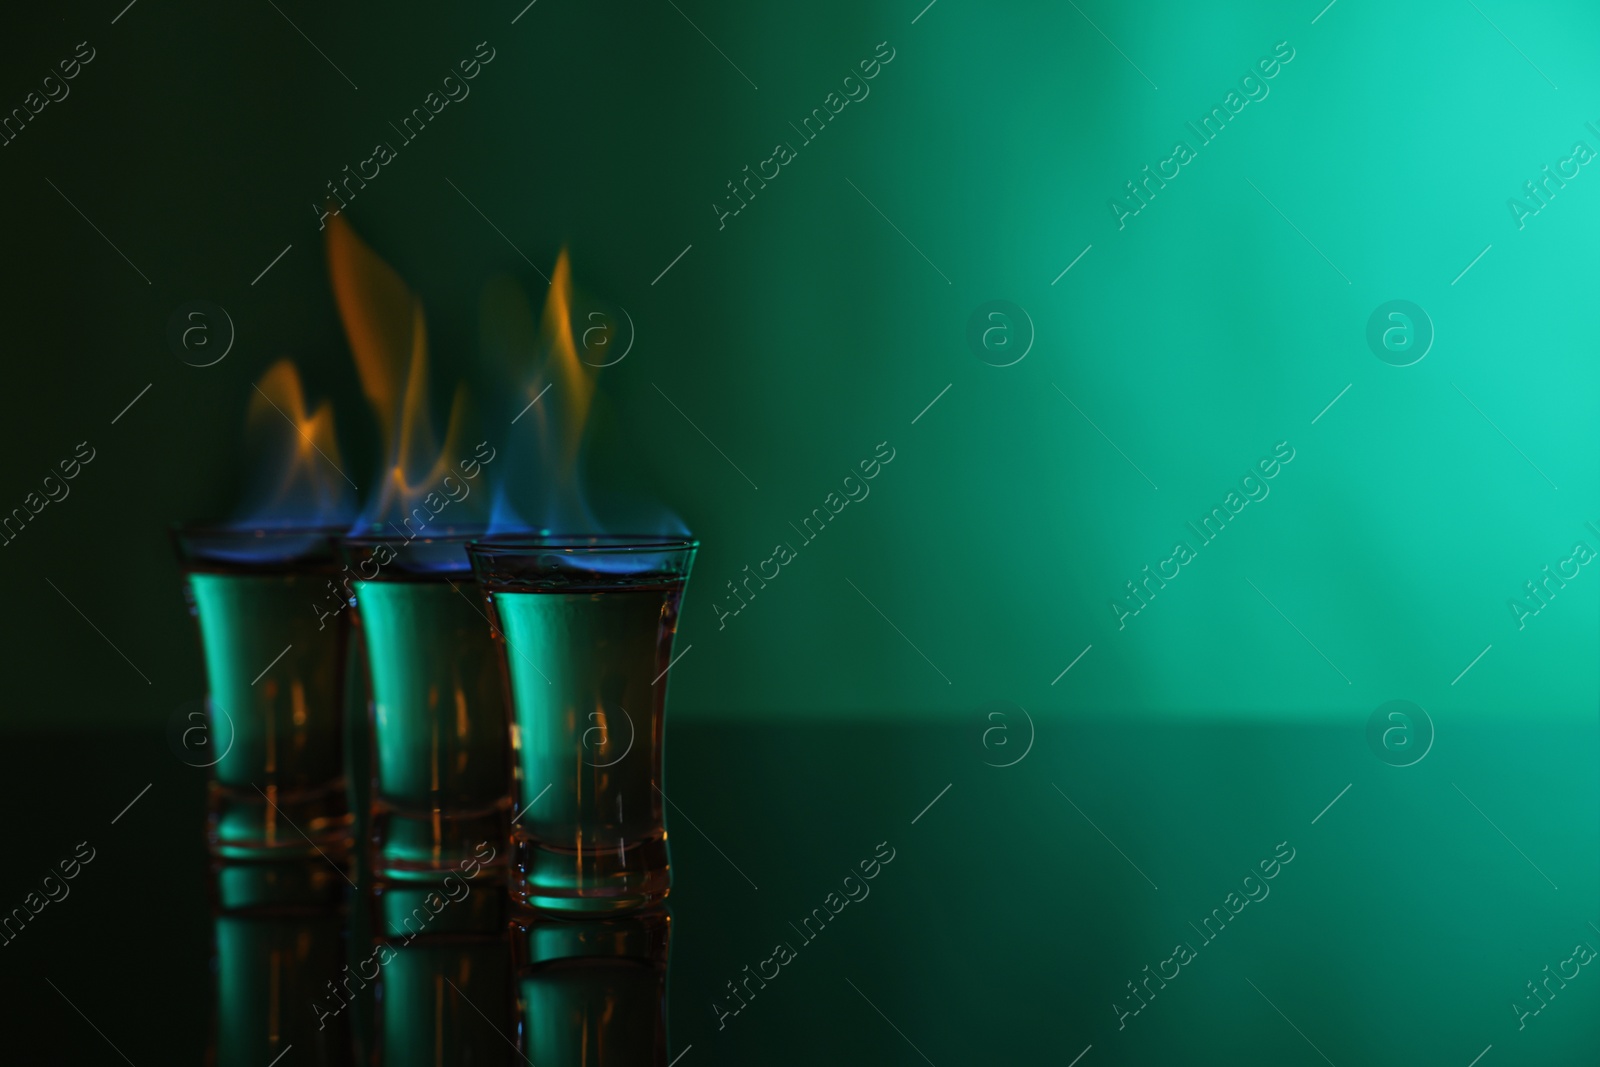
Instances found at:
x=296 y=494
x=443 y=553
x=541 y=485
x=262 y=546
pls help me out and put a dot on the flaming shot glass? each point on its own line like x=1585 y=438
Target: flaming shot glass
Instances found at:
x=274 y=673
x=441 y=748
x=585 y=628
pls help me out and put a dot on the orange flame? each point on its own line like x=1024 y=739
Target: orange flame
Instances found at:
x=298 y=455
x=541 y=480
x=388 y=336
x=573 y=380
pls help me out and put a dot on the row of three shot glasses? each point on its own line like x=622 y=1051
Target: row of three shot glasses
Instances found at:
x=513 y=691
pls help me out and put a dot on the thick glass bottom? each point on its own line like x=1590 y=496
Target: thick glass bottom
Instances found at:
x=422 y=847
x=607 y=878
x=275 y=823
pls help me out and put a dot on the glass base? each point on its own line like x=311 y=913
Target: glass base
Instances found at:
x=423 y=847
x=613 y=878
x=247 y=824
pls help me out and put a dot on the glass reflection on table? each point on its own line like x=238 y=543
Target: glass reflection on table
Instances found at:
x=278 y=941
x=592 y=993
x=304 y=961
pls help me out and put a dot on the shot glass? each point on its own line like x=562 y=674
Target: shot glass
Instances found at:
x=441 y=751
x=585 y=628
x=274 y=673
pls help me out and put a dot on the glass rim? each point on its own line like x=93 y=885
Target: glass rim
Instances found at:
x=212 y=546
x=373 y=540
x=578 y=544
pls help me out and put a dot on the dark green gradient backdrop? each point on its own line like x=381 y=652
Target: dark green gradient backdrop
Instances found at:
x=808 y=329
x=1178 y=351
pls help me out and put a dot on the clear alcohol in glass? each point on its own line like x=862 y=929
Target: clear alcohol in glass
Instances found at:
x=274 y=673
x=585 y=630
x=440 y=754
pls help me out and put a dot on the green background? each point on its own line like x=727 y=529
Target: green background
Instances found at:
x=812 y=327
x=808 y=330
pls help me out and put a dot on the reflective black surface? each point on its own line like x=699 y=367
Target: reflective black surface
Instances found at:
x=888 y=892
